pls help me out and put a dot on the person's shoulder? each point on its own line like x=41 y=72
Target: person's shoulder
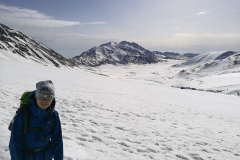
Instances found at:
x=20 y=113
x=22 y=109
x=55 y=113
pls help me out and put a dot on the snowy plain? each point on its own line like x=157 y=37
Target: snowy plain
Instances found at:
x=128 y=112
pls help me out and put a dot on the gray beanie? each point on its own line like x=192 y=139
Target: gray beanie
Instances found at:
x=45 y=86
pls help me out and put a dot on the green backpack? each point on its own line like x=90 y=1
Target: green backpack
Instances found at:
x=24 y=105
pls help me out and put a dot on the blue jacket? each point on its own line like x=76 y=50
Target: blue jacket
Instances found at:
x=37 y=139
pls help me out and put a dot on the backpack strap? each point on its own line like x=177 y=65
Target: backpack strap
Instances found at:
x=26 y=121
x=27 y=118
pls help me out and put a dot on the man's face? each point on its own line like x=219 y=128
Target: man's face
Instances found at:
x=42 y=101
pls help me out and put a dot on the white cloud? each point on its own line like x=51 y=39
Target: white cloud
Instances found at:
x=202 y=13
x=22 y=16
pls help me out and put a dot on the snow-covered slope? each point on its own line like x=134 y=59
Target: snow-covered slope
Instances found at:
x=208 y=57
x=212 y=71
x=15 y=42
x=127 y=113
x=116 y=53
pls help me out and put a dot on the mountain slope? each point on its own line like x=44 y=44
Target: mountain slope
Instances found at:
x=218 y=61
x=217 y=71
x=20 y=44
x=116 y=53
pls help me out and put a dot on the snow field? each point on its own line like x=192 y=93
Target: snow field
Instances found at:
x=127 y=117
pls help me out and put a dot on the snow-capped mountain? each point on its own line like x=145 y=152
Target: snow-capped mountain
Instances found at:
x=173 y=55
x=116 y=53
x=221 y=61
x=218 y=69
x=167 y=54
x=190 y=55
x=30 y=50
x=19 y=43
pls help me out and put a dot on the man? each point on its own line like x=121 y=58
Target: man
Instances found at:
x=43 y=137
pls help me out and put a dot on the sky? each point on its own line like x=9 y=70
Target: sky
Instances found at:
x=72 y=27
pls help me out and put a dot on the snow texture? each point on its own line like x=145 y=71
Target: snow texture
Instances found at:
x=129 y=112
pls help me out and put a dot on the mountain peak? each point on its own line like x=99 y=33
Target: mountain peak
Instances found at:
x=109 y=44
x=131 y=44
x=127 y=43
x=116 y=53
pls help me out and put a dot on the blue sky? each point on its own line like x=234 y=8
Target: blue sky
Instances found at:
x=72 y=27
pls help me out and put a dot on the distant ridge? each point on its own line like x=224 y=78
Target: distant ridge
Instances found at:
x=117 y=53
x=216 y=61
x=13 y=41
x=18 y=43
